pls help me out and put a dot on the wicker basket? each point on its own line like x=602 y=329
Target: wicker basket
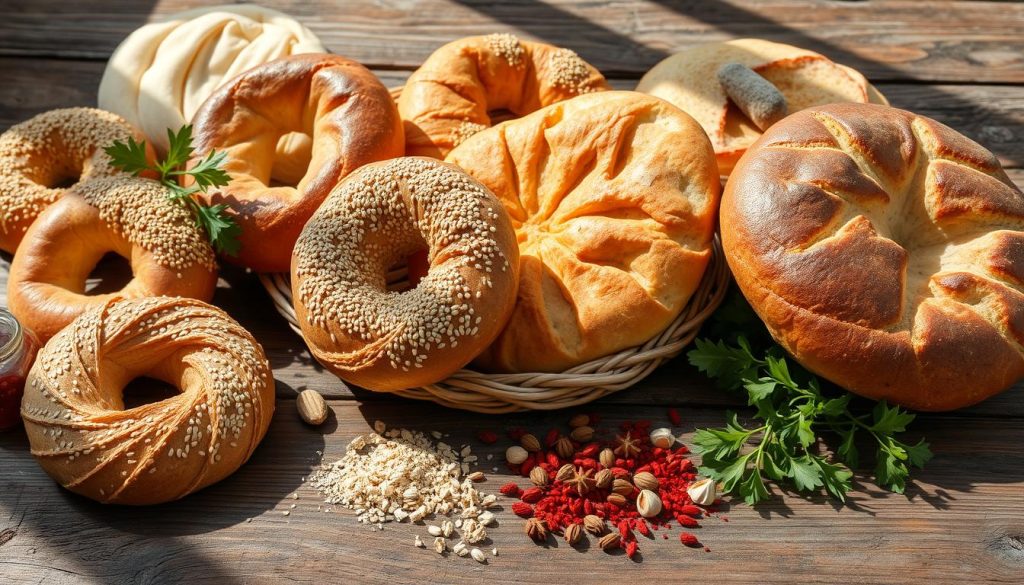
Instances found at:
x=499 y=393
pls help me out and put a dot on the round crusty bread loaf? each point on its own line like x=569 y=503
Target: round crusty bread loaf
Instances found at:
x=689 y=81
x=885 y=251
x=613 y=198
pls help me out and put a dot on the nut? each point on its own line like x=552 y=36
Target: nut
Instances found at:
x=476 y=476
x=617 y=499
x=539 y=477
x=565 y=472
x=536 y=529
x=478 y=555
x=663 y=438
x=622 y=487
x=564 y=448
x=530 y=443
x=434 y=530
x=702 y=492
x=312 y=407
x=582 y=434
x=604 y=479
x=646 y=481
x=648 y=504
x=460 y=549
x=594 y=524
x=609 y=541
x=607 y=458
x=579 y=420
x=516 y=454
x=440 y=545
x=573 y=533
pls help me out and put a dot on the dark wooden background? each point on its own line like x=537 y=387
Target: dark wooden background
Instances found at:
x=962 y=520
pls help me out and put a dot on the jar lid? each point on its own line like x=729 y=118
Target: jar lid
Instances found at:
x=10 y=334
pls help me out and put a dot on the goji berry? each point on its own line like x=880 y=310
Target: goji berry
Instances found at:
x=689 y=540
x=522 y=509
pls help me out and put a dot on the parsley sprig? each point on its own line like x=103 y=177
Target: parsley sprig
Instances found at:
x=790 y=411
x=214 y=220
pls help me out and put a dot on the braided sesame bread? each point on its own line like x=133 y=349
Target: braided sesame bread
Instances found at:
x=463 y=84
x=376 y=218
x=162 y=73
x=613 y=196
x=292 y=129
x=883 y=250
x=84 y=437
x=689 y=80
x=124 y=215
x=40 y=157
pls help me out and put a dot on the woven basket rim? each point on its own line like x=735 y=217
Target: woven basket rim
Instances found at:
x=501 y=393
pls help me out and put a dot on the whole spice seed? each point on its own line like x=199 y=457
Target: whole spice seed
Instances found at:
x=581 y=480
x=628 y=446
x=312 y=407
x=564 y=448
x=476 y=476
x=582 y=434
x=702 y=492
x=648 y=504
x=530 y=443
x=607 y=458
x=645 y=480
x=539 y=477
x=662 y=438
x=617 y=499
x=478 y=555
x=573 y=534
x=604 y=478
x=610 y=541
x=594 y=525
x=579 y=420
x=565 y=473
x=622 y=487
x=516 y=455
x=536 y=530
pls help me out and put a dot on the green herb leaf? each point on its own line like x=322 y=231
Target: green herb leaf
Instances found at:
x=890 y=419
x=753 y=489
x=220 y=227
x=806 y=475
x=130 y=157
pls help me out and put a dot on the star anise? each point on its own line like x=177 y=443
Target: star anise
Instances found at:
x=581 y=480
x=628 y=446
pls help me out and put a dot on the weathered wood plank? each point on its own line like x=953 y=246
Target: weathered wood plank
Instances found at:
x=991 y=114
x=963 y=520
x=906 y=39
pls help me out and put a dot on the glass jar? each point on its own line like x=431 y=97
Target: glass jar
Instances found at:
x=18 y=347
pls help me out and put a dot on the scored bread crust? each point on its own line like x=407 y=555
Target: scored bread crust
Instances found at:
x=613 y=196
x=689 y=81
x=885 y=251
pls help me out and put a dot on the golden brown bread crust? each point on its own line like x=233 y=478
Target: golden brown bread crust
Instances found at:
x=377 y=217
x=292 y=129
x=39 y=156
x=461 y=85
x=885 y=251
x=125 y=215
x=613 y=196
x=83 y=436
x=689 y=81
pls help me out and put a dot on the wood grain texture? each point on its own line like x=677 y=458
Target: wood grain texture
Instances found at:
x=907 y=39
x=962 y=520
x=990 y=114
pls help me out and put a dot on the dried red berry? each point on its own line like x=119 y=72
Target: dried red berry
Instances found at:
x=551 y=438
x=553 y=460
x=689 y=540
x=687 y=522
x=673 y=415
x=631 y=549
x=624 y=531
x=522 y=509
x=489 y=437
x=510 y=489
x=691 y=510
x=642 y=527
x=516 y=433
x=532 y=495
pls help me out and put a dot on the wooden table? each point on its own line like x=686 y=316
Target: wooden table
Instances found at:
x=962 y=520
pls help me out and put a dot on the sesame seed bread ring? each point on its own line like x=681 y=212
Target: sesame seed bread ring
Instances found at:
x=613 y=196
x=125 y=215
x=885 y=251
x=689 y=81
x=378 y=216
x=84 y=437
x=463 y=84
x=40 y=156
x=292 y=129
